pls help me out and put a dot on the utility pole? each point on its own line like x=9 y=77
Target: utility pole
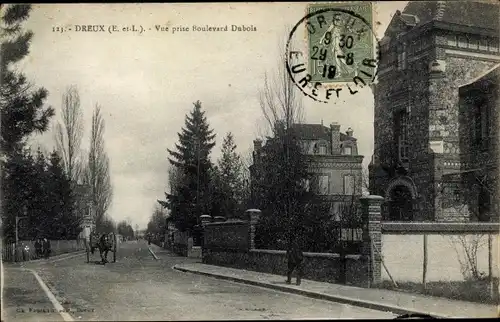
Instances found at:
x=18 y=218
x=198 y=146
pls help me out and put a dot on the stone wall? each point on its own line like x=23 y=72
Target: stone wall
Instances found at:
x=231 y=244
x=317 y=266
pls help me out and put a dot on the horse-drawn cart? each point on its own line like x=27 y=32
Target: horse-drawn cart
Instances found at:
x=104 y=243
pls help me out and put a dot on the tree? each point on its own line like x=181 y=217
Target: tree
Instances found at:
x=22 y=106
x=97 y=174
x=22 y=113
x=281 y=172
x=125 y=229
x=156 y=225
x=69 y=133
x=229 y=180
x=65 y=222
x=191 y=198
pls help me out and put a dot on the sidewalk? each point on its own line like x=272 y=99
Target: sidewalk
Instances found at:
x=384 y=300
x=23 y=299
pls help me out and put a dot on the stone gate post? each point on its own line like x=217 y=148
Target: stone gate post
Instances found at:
x=372 y=237
x=205 y=219
x=253 y=216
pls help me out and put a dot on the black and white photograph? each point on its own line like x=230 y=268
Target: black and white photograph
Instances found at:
x=249 y=160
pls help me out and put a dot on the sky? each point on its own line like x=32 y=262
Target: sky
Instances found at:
x=146 y=83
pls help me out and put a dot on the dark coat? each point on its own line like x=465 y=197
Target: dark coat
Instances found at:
x=294 y=252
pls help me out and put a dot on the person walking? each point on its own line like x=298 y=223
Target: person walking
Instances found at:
x=46 y=247
x=295 y=259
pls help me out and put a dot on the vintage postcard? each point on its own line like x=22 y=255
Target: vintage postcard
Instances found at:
x=237 y=161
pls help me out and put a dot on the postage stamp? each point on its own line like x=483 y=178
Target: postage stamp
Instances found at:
x=341 y=49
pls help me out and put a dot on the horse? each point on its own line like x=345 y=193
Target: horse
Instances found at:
x=104 y=244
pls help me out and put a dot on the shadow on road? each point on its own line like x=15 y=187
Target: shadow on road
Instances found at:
x=96 y=262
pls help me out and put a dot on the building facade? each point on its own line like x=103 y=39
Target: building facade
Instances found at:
x=84 y=207
x=479 y=136
x=428 y=51
x=332 y=158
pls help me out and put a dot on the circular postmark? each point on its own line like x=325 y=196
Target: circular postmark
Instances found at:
x=341 y=54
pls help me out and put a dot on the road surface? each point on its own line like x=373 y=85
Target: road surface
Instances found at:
x=140 y=287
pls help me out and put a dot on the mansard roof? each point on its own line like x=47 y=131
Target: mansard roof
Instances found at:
x=477 y=14
x=315 y=132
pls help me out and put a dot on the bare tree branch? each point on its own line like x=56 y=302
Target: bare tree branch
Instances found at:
x=69 y=133
x=98 y=172
x=279 y=99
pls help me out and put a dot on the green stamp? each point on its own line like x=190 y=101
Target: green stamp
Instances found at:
x=340 y=38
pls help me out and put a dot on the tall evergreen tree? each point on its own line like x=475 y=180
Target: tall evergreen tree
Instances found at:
x=22 y=113
x=192 y=156
x=22 y=109
x=229 y=180
x=65 y=222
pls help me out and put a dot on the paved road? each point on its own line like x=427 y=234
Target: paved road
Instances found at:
x=139 y=287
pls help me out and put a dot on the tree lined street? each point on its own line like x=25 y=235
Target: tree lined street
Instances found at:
x=138 y=287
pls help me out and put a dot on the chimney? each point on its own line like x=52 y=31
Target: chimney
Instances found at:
x=349 y=132
x=335 y=134
x=257 y=144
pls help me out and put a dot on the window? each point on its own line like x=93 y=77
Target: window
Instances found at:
x=463 y=42
x=473 y=43
x=483 y=44
x=323 y=188
x=402 y=57
x=452 y=40
x=322 y=149
x=401 y=133
x=481 y=125
x=348 y=184
x=347 y=150
x=493 y=45
x=316 y=149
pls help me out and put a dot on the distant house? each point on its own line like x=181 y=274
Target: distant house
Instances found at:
x=333 y=159
x=84 y=208
x=479 y=136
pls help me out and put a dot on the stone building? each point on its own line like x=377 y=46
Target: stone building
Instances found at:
x=479 y=104
x=428 y=51
x=332 y=156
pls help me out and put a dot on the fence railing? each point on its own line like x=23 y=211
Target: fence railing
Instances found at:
x=25 y=250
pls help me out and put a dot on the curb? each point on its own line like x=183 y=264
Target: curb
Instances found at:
x=333 y=298
x=152 y=253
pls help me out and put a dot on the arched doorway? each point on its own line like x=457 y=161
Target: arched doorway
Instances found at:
x=400 y=197
x=400 y=204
